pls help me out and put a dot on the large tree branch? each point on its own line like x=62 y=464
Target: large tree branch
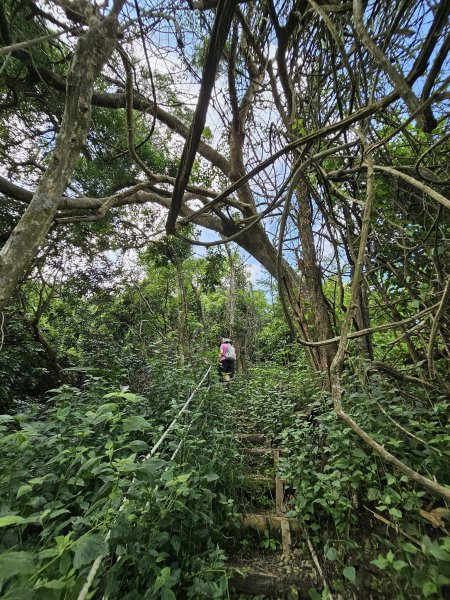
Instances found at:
x=92 y=51
x=426 y=120
x=219 y=34
x=141 y=104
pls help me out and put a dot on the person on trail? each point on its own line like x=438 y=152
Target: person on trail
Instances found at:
x=227 y=361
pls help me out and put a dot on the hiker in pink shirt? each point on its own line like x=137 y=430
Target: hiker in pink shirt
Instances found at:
x=227 y=360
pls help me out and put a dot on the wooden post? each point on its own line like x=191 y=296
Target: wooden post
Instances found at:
x=279 y=483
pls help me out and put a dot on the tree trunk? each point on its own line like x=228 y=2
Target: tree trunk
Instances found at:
x=91 y=53
x=52 y=357
x=182 y=317
x=320 y=318
x=201 y=310
x=231 y=308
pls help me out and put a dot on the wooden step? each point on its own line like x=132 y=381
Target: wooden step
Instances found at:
x=272 y=522
x=257 y=451
x=255 y=438
x=258 y=481
x=269 y=585
x=261 y=451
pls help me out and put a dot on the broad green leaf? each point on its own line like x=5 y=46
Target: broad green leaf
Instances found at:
x=138 y=446
x=429 y=588
x=88 y=548
x=395 y=512
x=37 y=480
x=350 y=574
x=19 y=593
x=12 y=520
x=127 y=396
x=408 y=547
x=167 y=594
x=399 y=565
x=24 y=489
x=380 y=562
x=54 y=584
x=135 y=423
x=331 y=553
x=15 y=563
x=48 y=553
x=175 y=543
x=6 y=418
x=88 y=464
x=108 y=407
x=439 y=553
x=150 y=470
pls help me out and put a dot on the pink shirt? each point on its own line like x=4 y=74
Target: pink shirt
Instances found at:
x=223 y=350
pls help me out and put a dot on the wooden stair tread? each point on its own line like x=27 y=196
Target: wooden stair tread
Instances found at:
x=262 y=584
x=270 y=521
x=265 y=575
x=258 y=480
x=265 y=450
x=252 y=437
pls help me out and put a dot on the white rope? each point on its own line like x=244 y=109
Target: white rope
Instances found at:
x=96 y=564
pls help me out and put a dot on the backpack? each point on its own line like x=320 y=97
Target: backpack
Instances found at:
x=230 y=352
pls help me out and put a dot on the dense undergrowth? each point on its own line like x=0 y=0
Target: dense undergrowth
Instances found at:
x=378 y=534
x=72 y=471
x=67 y=468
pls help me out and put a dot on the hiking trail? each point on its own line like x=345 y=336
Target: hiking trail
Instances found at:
x=271 y=566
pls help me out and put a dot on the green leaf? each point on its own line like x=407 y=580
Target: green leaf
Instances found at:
x=54 y=584
x=88 y=464
x=13 y=520
x=380 y=562
x=88 y=548
x=6 y=418
x=211 y=477
x=399 y=565
x=175 y=543
x=15 y=563
x=167 y=594
x=429 y=588
x=127 y=396
x=439 y=553
x=350 y=574
x=150 y=470
x=108 y=407
x=395 y=512
x=138 y=446
x=408 y=547
x=24 y=489
x=135 y=423
x=331 y=553
x=22 y=593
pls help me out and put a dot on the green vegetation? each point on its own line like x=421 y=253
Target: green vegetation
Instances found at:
x=155 y=160
x=72 y=467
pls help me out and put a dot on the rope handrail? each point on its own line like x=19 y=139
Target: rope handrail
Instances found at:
x=96 y=564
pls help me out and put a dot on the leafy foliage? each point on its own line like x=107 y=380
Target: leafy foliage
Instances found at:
x=68 y=468
x=366 y=517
